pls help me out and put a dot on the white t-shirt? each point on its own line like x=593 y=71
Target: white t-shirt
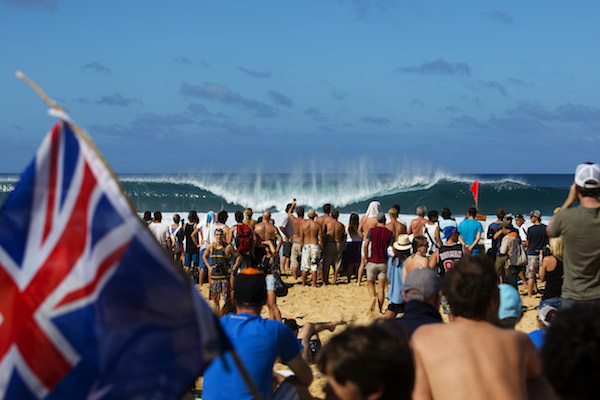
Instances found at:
x=160 y=232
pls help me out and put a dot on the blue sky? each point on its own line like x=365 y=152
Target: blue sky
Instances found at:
x=194 y=86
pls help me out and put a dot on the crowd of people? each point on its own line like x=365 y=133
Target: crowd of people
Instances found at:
x=421 y=267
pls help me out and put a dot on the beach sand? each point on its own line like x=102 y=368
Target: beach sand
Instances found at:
x=327 y=303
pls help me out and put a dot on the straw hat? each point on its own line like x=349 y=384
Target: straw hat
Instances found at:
x=403 y=242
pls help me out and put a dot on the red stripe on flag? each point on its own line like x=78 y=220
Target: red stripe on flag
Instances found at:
x=104 y=267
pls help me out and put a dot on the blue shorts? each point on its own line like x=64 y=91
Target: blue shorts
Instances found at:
x=194 y=259
x=202 y=265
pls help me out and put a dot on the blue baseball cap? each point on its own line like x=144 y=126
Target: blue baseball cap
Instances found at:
x=511 y=305
x=449 y=231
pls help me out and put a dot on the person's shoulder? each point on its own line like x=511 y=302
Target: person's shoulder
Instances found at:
x=425 y=333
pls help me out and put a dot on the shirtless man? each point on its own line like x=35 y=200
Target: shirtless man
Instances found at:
x=323 y=218
x=416 y=225
x=417 y=259
x=296 y=253
x=311 y=238
x=470 y=358
x=326 y=222
x=334 y=244
x=397 y=227
x=265 y=234
x=368 y=221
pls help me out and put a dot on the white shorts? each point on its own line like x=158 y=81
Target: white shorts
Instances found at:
x=270 y=281
x=311 y=253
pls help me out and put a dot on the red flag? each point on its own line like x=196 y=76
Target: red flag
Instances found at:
x=475 y=190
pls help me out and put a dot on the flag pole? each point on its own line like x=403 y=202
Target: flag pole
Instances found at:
x=78 y=131
x=245 y=375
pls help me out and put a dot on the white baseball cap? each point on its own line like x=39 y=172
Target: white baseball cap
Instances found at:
x=587 y=176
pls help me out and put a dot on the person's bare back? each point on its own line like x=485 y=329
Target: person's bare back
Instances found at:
x=329 y=226
x=265 y=231
x=413 y=262
x=469 y=359
x=416 y=226
x=297 y=223
x=396 y=227
x=365 y=225
x=310 y=233
x=337 y=231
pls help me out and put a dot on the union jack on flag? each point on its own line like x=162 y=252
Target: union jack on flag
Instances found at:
x=90 y=306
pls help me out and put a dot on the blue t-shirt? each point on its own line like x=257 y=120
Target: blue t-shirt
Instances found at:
x=258 y=342
x=538 y=337
x=468 y=229
x=394 y=275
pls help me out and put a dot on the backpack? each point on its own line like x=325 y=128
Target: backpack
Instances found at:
x=281 y=289
x=242 y=238
x=175 y=242
x=519 y=255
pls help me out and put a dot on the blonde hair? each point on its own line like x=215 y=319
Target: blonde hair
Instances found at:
x=556 y=247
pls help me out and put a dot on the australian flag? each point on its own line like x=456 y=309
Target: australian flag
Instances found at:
x=90 y=306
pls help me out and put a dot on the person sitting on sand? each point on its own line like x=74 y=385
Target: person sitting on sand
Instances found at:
x=417 y=259
x=379 y=239
x=367 y=362
x=258 y=342
x=471 y=358
x=308 y=335
x=551 y=272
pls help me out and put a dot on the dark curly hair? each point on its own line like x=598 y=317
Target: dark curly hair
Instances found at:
x=372 y=357
x=571 y=353
x=469 y=286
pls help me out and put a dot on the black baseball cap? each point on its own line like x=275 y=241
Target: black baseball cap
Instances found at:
x=250 y=288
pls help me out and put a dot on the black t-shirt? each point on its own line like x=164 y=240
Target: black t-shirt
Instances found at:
x=190 y=247
x=537 y=238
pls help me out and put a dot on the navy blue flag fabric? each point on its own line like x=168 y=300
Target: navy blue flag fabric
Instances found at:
x=90 y=305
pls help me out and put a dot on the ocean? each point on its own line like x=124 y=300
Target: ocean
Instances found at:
x=179 y=193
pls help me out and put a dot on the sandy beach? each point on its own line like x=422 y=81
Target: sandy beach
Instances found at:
x=327 y=303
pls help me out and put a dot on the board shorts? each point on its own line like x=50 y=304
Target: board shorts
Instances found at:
x=193 y=257
x=311 y=253
x=220 y=289
x=376 y=271
x=533 y=264
x=202 y=265
x=287 y=249
x=332 y=255
x=296 y=255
